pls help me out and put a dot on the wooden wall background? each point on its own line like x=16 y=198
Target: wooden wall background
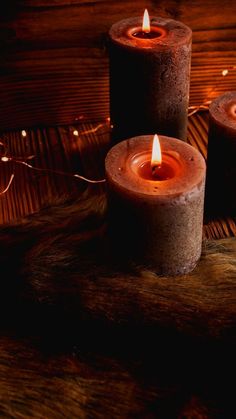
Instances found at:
x=54 y=64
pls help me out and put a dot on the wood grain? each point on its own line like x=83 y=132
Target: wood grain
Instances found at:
x=54 y=64
x=52 y=149
x=58 y=149
x=54 y=71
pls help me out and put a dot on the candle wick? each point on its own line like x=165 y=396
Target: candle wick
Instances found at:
x=155 y=168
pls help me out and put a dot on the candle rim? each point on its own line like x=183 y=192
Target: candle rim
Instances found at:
x=118 y=33
x=161 y=192
x=219 y=110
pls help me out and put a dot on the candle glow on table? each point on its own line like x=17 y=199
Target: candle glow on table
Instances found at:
x=156 y=202
x=149 y=77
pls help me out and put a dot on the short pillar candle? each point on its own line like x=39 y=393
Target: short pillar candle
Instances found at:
x=221 y=159
x=149 y=77
x=156 y=211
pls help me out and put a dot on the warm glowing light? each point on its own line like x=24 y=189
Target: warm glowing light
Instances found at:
x=75 y=133
x=225 y=72
x=146 y=22
x=156 y=152
x=4 y=158
x=8 y=185
x=24 y=133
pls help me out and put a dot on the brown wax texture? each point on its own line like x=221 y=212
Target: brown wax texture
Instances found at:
x=149 y=79
x=156 y=223
x=221 y=159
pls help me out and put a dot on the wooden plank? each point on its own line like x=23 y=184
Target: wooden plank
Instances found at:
x=32 y=190
x=54 y=64
x=40 y=94
x=78 y=148
x=86 y=24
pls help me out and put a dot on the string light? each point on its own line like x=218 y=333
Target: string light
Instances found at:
x=92 y=130
x=4 y=158
x=225 y=72
x=207 y=101
x=39 y=169
x=8 y=185
x=23 y=161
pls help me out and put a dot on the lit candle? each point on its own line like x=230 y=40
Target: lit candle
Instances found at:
x=149 y=77
x=221 y=160
x=156 y=203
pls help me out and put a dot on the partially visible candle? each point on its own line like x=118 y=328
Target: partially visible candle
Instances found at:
x=156 y=218
x=149 y=77
x=221 y=159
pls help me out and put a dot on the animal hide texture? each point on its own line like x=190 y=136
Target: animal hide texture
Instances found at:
x=59 y=262
x=84 y=336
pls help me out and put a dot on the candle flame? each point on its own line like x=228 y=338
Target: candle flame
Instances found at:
x=146 y=22
x=156 y=152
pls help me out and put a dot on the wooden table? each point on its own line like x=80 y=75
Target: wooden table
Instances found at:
x=78 y=148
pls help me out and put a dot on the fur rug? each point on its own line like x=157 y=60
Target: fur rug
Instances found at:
x=58 y=263
x=168 y=383
x=85 y=337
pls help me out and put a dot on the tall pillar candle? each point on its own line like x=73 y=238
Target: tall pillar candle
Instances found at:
x=156 y=211
x=149 y=77
x=221 y=160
